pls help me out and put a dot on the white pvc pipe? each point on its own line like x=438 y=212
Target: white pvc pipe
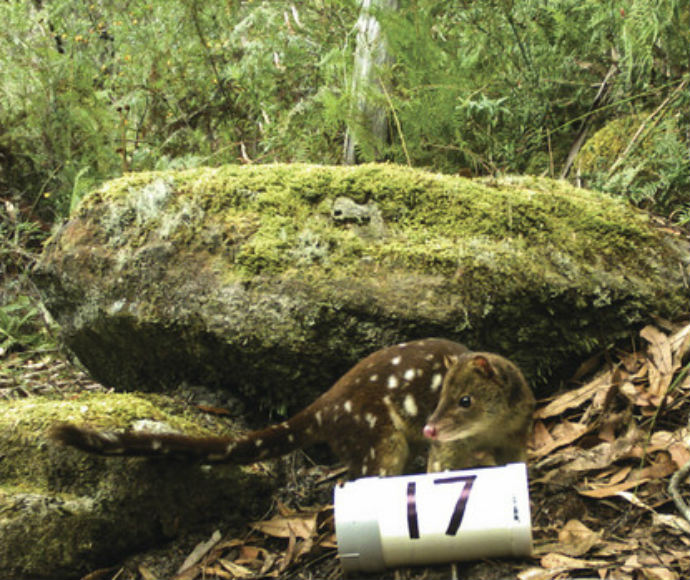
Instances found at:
x=432 y=518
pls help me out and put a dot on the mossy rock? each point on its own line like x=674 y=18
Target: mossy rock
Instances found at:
x=653 y=173
x=64 y=513
x=246 y=278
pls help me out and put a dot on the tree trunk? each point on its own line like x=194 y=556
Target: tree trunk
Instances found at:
x=368 y=119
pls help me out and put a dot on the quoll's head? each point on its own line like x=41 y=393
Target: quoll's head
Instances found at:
x=480 y=392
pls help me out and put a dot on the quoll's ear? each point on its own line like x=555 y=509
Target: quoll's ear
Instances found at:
x=449 y=360
x=482 y=364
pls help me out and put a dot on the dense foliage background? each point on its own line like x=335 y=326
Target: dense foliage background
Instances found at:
x=89 y=90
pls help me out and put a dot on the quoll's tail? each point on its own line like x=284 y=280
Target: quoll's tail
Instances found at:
x=139 y=443
x=255 y=446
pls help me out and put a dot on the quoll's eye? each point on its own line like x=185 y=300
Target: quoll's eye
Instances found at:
x=465 y=401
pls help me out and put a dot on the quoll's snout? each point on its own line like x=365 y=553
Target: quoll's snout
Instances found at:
x=430 y=431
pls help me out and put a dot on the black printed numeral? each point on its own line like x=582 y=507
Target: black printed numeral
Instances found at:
x=458 y=511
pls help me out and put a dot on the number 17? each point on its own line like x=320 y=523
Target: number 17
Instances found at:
x=458 y=511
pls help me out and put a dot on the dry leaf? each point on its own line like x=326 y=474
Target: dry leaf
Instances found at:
x=663 y=467
x=661 y=370
x=329 y=541
x=218 y=572
x=540 y=436
x=658 y=573
x=616 y=548
x=145 y=573
x=575 y=398
x=620 y=475
x=562 y=434
x=576 y=539
x=236 y=570
x=537 y=574
x=200 y=551
x=250 y=554
x=680 y=345
x=677 y=524
x=659 y=348
x=633 y=499
x=269 y=561
x=562 y=562
x=610 y=490
x=302 y=526
x=603 y=455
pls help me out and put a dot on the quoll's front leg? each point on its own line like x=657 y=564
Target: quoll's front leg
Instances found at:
x=458 y=455
x=386 y=456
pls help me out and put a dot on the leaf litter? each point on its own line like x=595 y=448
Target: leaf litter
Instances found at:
x=615 y=441
x=601 y=458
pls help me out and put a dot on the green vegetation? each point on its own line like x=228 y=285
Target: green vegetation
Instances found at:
x=92 y=90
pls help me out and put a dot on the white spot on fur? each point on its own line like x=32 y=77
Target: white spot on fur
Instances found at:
x=410 y=406
x=285 y=425
x=420 y=372
x=318 y=418
x=371 y=419
x=393 y=382
x=364 y=469
x=374 y=378
x=259 y=442
x=396 y=360
x=429 y=356
x=372 y=453
x=383 y=472
x=156 y=444
x=348 y=406
x=436 y=381
x=409 y=374
x=229 y=448
x=396 y=419
x=291 y=438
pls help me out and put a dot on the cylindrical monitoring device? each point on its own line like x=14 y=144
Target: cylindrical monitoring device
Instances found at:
x=382 y=522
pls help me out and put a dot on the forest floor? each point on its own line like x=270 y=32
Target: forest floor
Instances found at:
x=602 y=455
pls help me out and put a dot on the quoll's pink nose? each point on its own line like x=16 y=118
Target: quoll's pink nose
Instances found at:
x=430 y=431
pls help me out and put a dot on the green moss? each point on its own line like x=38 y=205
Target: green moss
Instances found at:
x=642 y=158
x=600 y=151
x=274 y=218
x=245 y=266
x=24 y=419
x=84 y=511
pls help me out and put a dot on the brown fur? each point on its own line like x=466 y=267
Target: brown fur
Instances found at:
x=373 y=417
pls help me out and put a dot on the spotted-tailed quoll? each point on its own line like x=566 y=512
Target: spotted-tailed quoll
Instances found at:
x=473 y=408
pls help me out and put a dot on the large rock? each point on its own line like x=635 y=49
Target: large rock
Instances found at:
x=272 y=280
